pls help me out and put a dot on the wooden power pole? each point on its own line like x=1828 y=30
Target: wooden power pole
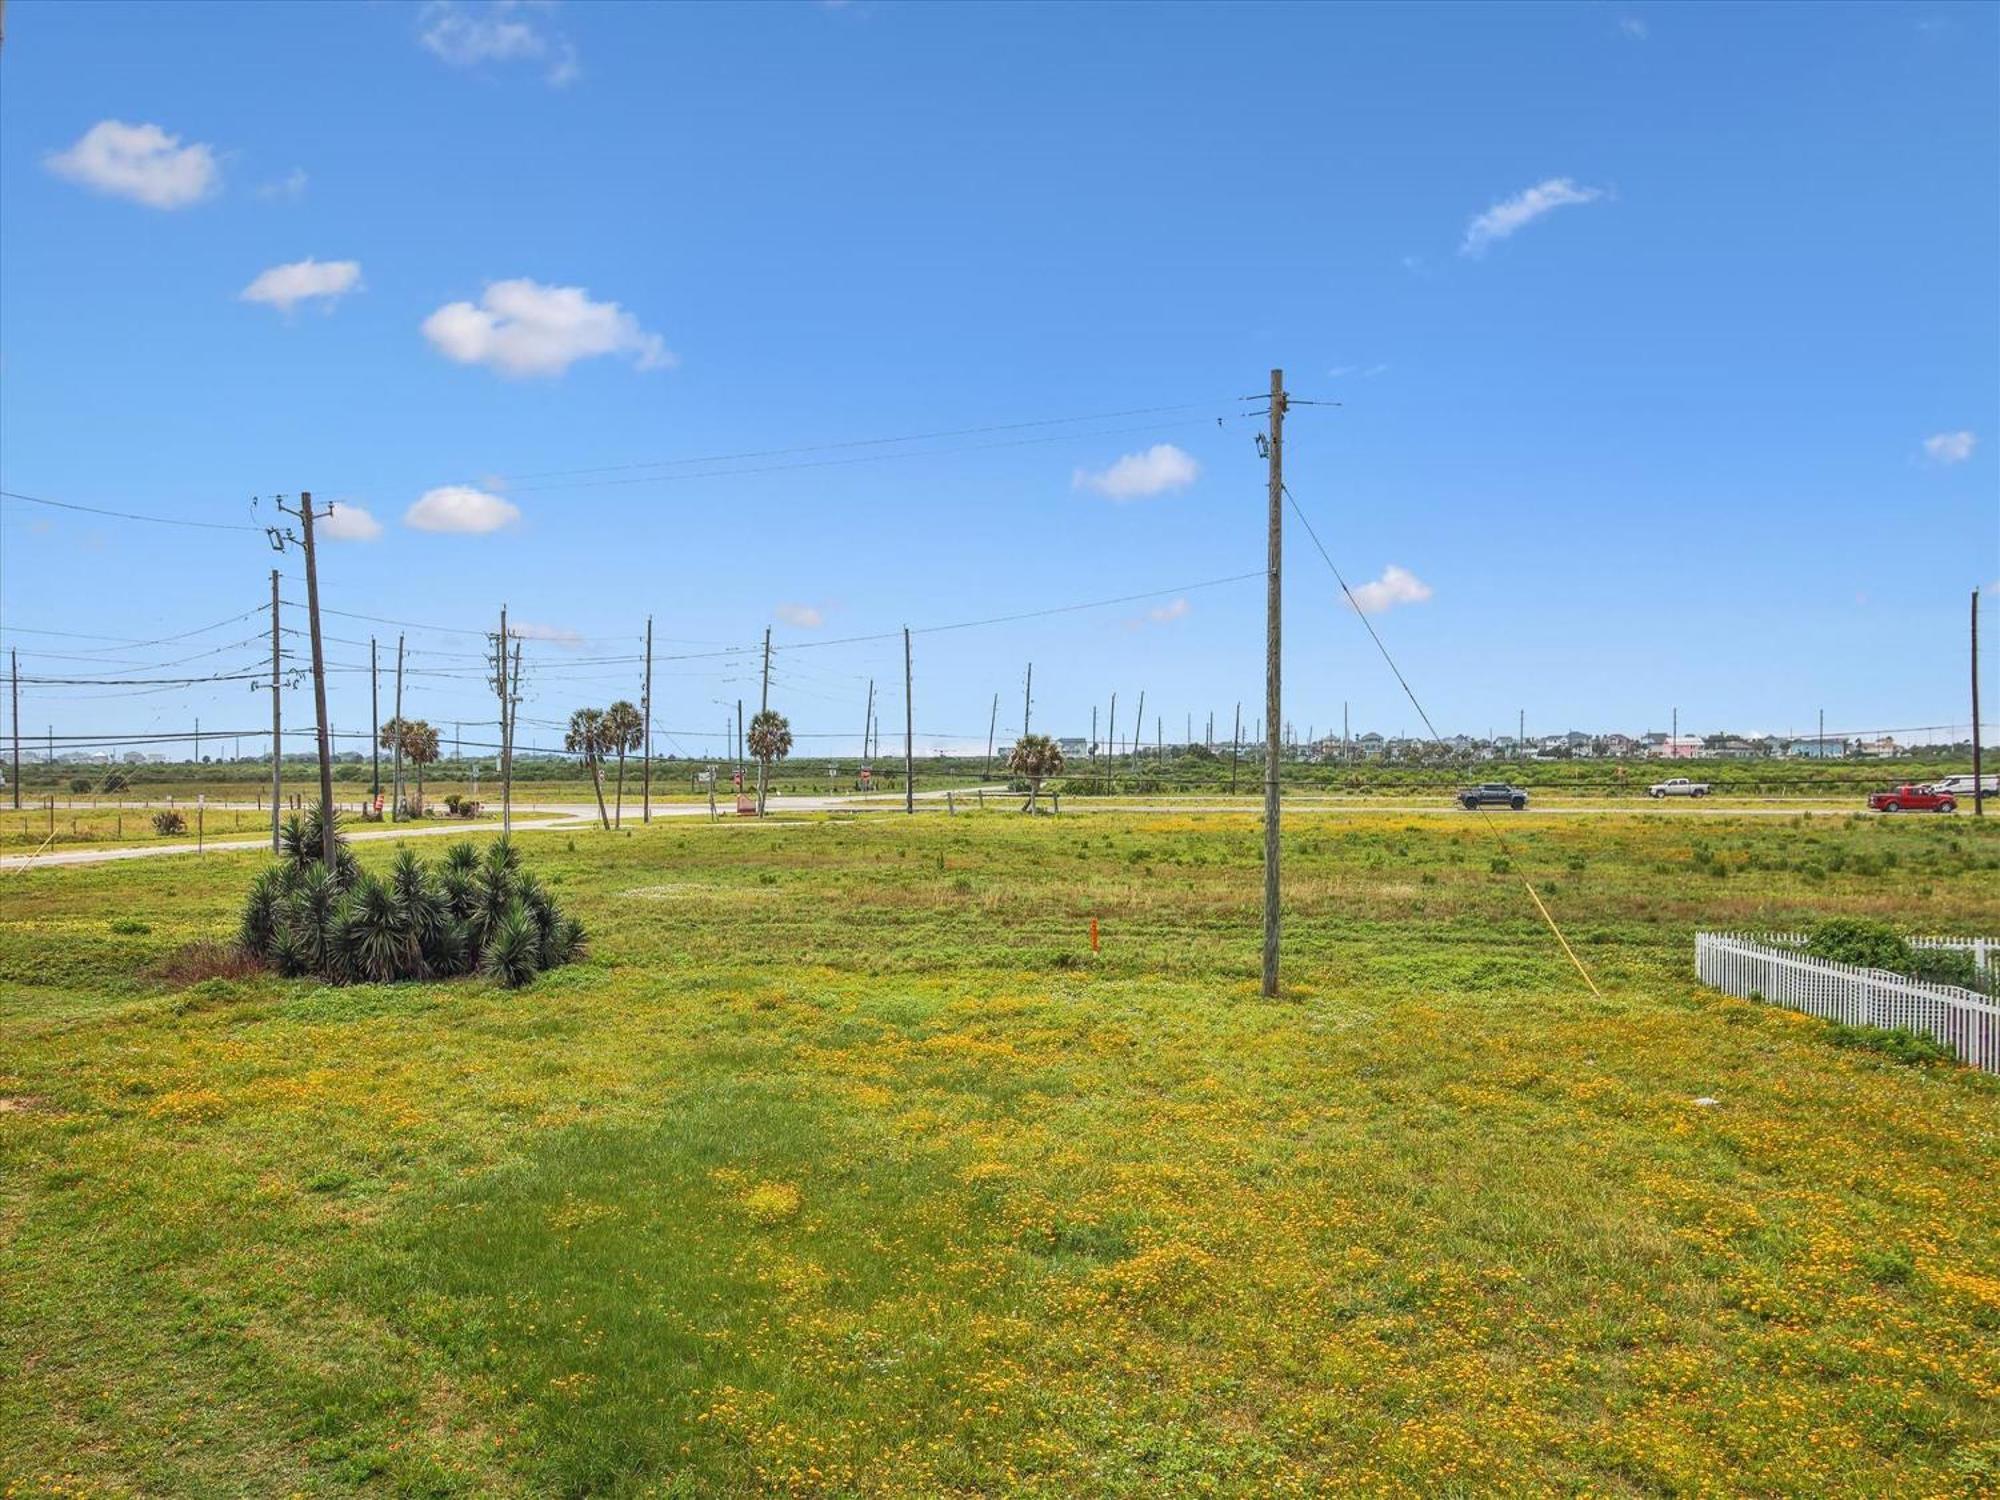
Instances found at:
x=396 y=770
x=277 y=719
x=764 y=707
x=992 y=727
x=328 y=834
x=646 y=717
x=1235 y=746
x=500 y=686
x=909 y=731
x=1274 y=609
x=1027 y=700
x=1978 y=786
x=374 y=720
x=15 y=657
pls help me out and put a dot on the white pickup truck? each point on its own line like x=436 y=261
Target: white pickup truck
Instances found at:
x=1680 y=786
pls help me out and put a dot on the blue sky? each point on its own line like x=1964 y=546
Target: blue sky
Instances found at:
x=1667 y=342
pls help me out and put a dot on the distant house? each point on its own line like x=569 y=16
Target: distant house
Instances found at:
x=1370 y=745
x=1670 y=747
x=1831 y=748
x=1073 y=745
x=1885 y=748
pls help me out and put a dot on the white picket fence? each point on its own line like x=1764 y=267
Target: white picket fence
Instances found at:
x=1772 y=967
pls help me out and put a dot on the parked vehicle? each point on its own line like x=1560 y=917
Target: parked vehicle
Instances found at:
x=1962 y=786
x=1493 y=794
x=1913 y=799
x=1678 y=786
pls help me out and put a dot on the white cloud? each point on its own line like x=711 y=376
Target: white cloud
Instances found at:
x=1395 y=586
x=286 y=286
x=461 y=508
x=1634 y=27
x=1950 y=447
x=349 y=523
x=502 y=31
x=290 y=188
x=804 y=616
x=1517 y=212
x=1180 y=609
x=559 y=635
x=522 y=327
x=140 y=162
x=1160 y=468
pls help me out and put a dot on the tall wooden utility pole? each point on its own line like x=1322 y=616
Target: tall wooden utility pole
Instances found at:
x=328 y=834
x=1235 y=745
x=764 y=707
x=1978 y=786
x=646 y=717
x=374 y=721
x=15 y=657
x=507 y=747
x=1274 y=708
x=909 y=731
x=1093 y=733
x=396 y=803
x=500 y=686
x=1139 y=730
x=1027 y=700
x=868 y=719
x=277 y=721
x=1111 y=735
x=992 y=728
x=739 y=744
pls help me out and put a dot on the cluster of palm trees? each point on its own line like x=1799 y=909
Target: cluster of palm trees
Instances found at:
x=416 y=742
x=595 y=733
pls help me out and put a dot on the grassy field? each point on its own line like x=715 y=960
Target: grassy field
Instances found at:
x=843 y=1166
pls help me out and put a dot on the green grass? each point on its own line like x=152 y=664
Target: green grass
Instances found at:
x=843 y=1166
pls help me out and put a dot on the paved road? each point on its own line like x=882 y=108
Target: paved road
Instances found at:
x=536 y=817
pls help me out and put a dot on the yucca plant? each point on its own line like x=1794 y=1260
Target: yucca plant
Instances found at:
x=462 y=858
x=569 y=946
x=263 y=913
x=449 y=950
x=369 y=938
x=289 y=951
x=417 y=894
x=309 y=911
x=502 y=855
x=513 y=948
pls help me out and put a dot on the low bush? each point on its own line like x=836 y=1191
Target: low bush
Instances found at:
x=1900 y=1043
x=1877 y=945
x=169 y=821
x=473 y=913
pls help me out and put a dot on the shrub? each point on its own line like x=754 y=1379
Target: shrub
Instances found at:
x=169 y=821
x=1858 y=940
x=348 y=927
x=1944 y=966
x=1900 y=1043
x=80 y=784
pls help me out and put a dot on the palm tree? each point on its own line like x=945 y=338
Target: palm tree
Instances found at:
x=420 y=748
x=1034 y=757
x=586 y=738
x=623 y=730
x=770 y=739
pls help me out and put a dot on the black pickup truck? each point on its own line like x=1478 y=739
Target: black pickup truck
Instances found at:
x=1493 y=794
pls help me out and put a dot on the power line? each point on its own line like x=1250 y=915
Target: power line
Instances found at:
x=129 y=515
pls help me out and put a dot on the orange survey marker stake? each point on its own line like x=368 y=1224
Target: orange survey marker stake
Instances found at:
x=1093 y=934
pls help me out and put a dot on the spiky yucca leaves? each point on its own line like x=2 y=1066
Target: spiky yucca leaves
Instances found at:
x=369 y=939
x=512 y=953
x=301 y=843
x=569 y=946
x=460 y=859
x=417 y=894
x=459 y=891
x=309 y=911
x=493 y=894
x=449 y=951
x=541 y=909
x=289 y=951
x=263 y=913
x=502 y=855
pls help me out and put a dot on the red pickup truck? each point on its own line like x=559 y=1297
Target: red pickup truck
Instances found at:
x=1913 y=799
